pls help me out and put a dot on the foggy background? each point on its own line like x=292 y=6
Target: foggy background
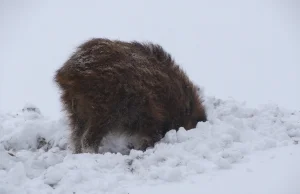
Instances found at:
x=247 y=50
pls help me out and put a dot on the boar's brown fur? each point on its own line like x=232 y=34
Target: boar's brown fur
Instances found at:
x=131 y=88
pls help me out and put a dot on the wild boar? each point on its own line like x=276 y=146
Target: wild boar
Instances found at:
x=134 y=90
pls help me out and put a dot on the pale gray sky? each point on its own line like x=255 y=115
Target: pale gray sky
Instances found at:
x=248 y=50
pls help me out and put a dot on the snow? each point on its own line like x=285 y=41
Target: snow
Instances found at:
x=239 y=150
x=271 y=171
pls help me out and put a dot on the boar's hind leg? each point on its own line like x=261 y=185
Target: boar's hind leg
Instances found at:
x=92 y=138
x=77 y=132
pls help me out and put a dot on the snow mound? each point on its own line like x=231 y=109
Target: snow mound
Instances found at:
x=30 y=130
x=35 y=157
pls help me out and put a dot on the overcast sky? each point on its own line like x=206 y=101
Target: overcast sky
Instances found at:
x=247 y=50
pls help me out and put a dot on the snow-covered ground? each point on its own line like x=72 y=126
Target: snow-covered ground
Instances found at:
x=239 y=150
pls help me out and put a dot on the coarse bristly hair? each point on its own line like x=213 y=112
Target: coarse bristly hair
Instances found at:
x=130 y=89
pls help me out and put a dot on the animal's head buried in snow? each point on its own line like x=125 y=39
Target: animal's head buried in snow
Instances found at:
x=128 y=89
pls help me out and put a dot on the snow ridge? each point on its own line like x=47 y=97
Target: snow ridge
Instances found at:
x=35 y=157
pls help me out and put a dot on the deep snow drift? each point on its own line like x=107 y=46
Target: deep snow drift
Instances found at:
x=236 y=151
